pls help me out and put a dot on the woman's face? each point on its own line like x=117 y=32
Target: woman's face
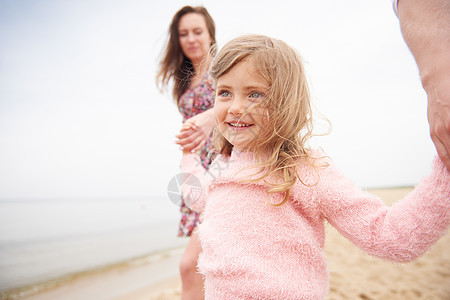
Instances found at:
x=194 y=37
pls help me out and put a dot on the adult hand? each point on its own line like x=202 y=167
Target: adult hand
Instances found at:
x=195 y=131
x=425 y=27
x=438 y=92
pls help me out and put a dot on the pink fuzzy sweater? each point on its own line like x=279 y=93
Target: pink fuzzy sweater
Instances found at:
x=252 y=250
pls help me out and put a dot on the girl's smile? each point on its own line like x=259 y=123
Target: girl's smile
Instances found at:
x=238 y=110
x=236 y=125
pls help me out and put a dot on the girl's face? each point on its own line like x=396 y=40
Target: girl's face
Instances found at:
x=194 y=37
x=238 y=117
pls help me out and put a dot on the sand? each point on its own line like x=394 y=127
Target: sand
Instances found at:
x=353 y=274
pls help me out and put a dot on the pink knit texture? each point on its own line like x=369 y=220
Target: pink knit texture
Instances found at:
x=252 y=250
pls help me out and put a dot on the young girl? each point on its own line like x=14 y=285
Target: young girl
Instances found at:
x=267 y=196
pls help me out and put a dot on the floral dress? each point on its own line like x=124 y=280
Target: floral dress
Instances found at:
x=194 y=101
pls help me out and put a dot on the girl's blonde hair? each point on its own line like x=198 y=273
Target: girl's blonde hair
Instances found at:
x=287 y=105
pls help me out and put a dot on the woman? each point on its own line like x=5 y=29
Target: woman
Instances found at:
x=186 y=60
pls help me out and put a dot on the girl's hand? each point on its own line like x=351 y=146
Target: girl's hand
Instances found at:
x=194 y=132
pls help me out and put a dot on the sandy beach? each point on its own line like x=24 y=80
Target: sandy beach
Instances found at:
x=353 y=274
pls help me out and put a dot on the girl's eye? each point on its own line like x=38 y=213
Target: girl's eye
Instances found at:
x=198 y=32
x=224 y=94
x=256 y=95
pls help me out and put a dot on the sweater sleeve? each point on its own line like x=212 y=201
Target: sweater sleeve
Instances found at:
x=194 y=183
x=196 y=179
x=399 y=233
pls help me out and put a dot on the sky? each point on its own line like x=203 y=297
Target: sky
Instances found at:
x=81 y=116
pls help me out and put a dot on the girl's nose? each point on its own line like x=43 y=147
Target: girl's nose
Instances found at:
x=237 y=107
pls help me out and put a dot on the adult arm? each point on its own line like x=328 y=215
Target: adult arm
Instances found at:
x=195 y=131
x=425 y=27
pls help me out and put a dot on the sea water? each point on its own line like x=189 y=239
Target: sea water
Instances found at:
x=43 y=239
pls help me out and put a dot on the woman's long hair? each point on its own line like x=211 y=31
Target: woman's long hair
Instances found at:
x=175 y=65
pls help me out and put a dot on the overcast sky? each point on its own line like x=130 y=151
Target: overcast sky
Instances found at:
x=80 y=115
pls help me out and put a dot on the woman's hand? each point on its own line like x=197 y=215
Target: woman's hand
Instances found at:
x=194 y=132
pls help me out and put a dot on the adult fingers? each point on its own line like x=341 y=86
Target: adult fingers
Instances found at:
x=188 y=131
x=193 y=145
x=200 y=145
x=190 y=137
x=442 y=145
